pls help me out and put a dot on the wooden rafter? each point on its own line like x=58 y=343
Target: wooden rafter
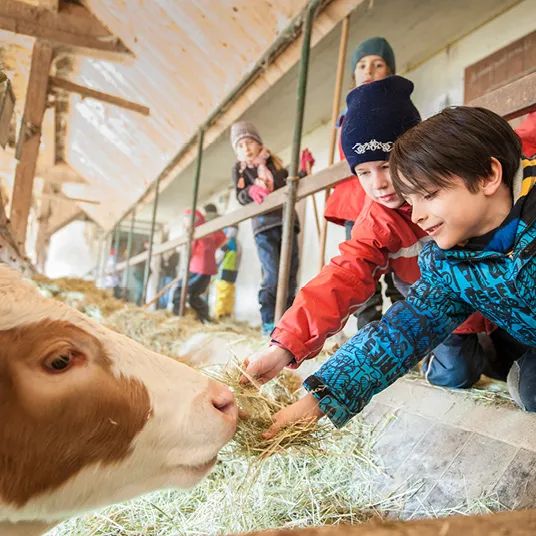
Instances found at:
x=73 y=25
x=29 y=139
x=61 y=83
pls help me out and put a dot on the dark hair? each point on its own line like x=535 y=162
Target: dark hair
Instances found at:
x=459 y=141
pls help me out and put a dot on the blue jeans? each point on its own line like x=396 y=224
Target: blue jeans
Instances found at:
x=164 y=299
x=268 y=248
x=197 y=285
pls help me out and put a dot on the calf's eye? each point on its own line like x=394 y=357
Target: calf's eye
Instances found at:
x=59 y=363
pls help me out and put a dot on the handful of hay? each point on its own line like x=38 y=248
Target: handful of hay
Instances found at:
x=259 y=404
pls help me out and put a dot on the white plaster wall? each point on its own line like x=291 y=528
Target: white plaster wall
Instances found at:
x=439 y=81
x=72 y=252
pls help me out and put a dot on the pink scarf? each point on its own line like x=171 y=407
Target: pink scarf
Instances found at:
x=264 y=179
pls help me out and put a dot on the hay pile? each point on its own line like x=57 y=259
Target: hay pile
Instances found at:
x=258 y=404
x=165 y=333
x=286 y=490
x=80 y=294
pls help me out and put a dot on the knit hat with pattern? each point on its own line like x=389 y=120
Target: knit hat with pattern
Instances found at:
x=378 y=113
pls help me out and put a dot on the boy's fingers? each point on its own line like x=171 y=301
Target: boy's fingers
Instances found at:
x=272 y=431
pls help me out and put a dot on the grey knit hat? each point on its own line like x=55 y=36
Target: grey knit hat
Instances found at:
x=244 y=129
x=375 y=46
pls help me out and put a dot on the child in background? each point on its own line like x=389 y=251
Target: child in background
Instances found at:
x=202 y=268
x=256 y=174
x=372 y=60
x=474 y=194
x=169 y=264
x=227 y=274
x=383 y=240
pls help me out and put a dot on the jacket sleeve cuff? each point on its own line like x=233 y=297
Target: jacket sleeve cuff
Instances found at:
x=293 y=345
x=336 y=411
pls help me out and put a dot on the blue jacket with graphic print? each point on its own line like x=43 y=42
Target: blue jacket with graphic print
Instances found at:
x=494 y=274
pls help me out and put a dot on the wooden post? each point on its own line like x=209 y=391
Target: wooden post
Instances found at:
x=29 y=138
x=343 y=45
x=47 y=159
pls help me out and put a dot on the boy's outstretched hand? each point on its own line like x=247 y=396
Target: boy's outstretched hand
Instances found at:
x=305 y=409
x=266 y=364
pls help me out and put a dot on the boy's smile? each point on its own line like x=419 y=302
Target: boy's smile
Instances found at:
x=376 y=181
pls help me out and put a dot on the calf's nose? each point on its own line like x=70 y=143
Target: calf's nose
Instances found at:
x=223 y=400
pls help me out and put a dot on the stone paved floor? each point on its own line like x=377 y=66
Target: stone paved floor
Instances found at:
x=459 y=449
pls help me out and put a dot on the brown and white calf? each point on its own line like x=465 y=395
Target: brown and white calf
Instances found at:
x=89 y=417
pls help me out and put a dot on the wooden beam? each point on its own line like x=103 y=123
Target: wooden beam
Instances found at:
x=29 y=139
x=62 y=197
x=307 y=186
x=47 y=159
x=73 y=25
x=512 y=100
x=62 y=173
x=61 y=83
x=520 y=523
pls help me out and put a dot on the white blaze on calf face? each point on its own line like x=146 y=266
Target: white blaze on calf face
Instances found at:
x=89 y=417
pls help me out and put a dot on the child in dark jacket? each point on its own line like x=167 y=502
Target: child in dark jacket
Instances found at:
x=384 y=240
x=474 y=194
x=256 y=174
x=202 y=268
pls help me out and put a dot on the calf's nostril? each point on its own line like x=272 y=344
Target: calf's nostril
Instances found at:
x=224 y=401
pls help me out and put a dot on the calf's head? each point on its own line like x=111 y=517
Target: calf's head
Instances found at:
x=89 y=417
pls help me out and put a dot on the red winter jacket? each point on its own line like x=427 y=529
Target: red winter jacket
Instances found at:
x=383 y=240
x=347 y=198
x=527 y=132
x=203 y=249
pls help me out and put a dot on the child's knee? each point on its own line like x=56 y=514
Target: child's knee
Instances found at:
x=456 y=363
x=458 y=376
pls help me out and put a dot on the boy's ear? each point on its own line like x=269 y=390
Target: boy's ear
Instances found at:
x=493 y=181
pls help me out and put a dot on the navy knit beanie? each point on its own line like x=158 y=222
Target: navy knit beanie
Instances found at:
x=378 y=113
x=375 y=46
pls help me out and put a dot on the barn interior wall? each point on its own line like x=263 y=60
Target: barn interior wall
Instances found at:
x=438 y=82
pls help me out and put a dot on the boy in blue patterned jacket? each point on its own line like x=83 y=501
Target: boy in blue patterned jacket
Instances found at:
x=475 y=195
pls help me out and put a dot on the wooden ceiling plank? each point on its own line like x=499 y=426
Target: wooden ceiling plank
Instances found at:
x=67 y=85
x=73 y=25
x=29 y=139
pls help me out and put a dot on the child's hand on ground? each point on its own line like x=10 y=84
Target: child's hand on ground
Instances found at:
x=266 y=364
x=305 y=409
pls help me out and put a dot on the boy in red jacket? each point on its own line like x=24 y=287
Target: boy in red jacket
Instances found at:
x=384 y=240
x=202 y=268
